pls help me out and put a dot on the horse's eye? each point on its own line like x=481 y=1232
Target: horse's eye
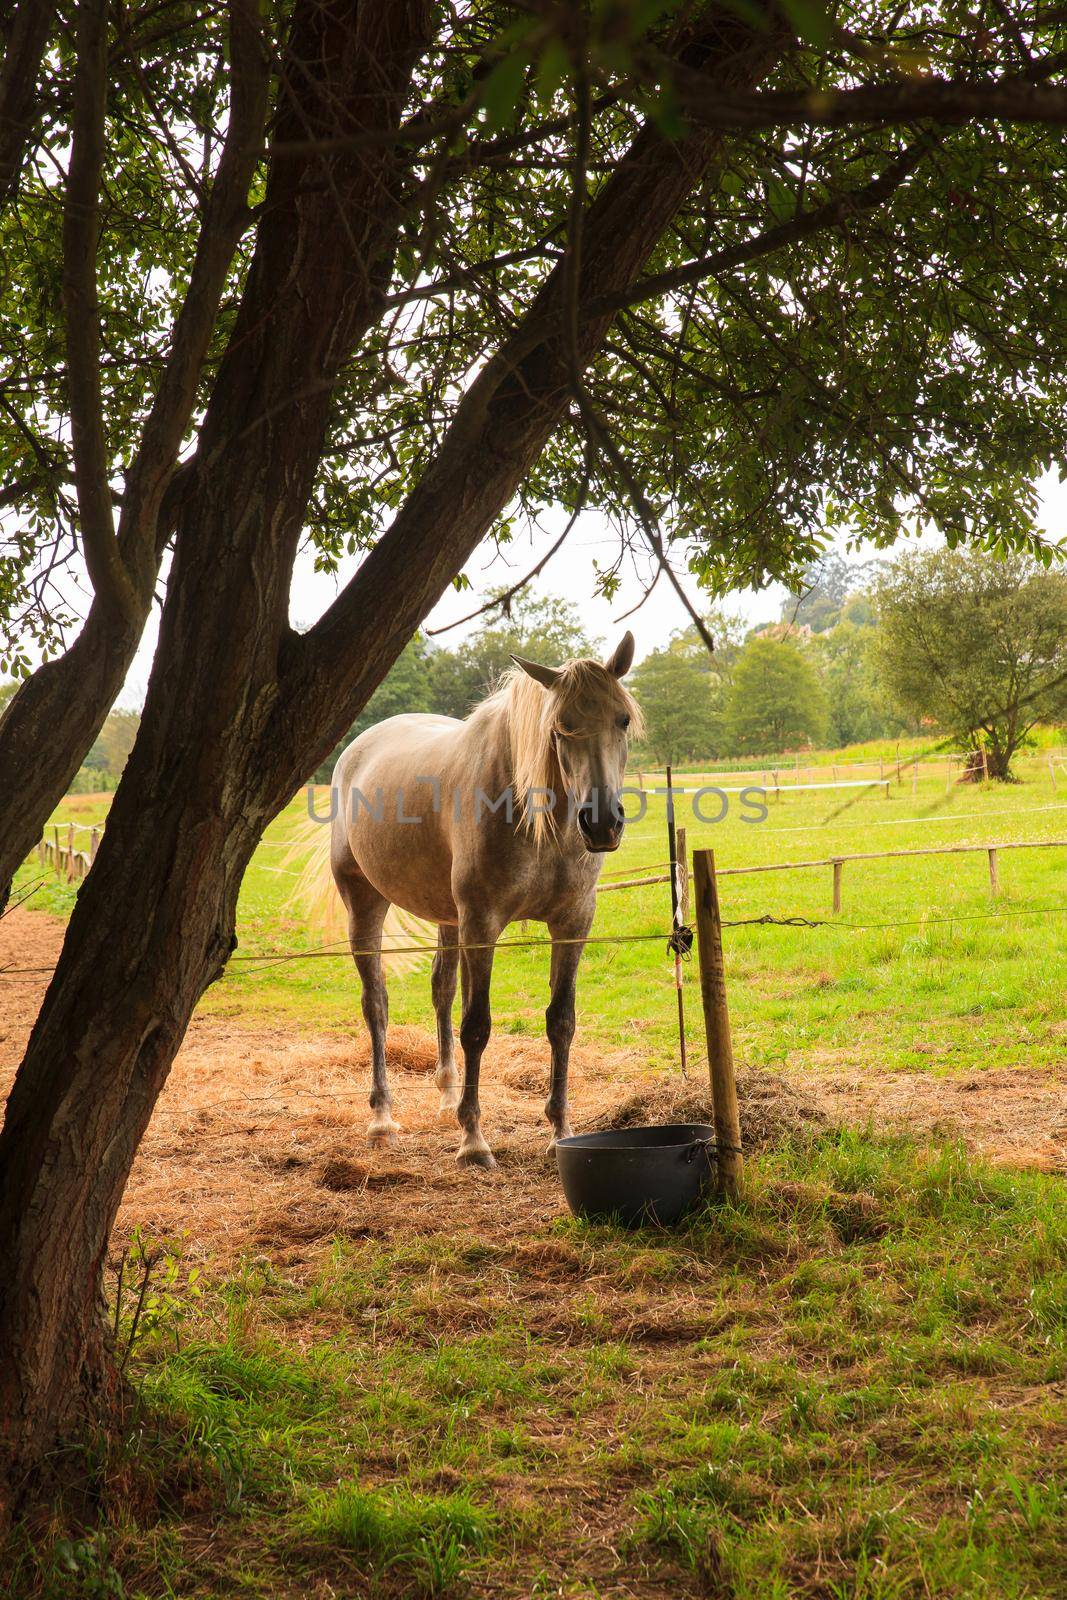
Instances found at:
x=624 y=722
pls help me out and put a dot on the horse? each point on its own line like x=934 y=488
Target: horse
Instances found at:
x=462 y=824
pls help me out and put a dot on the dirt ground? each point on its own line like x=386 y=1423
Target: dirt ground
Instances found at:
x=257 y=1143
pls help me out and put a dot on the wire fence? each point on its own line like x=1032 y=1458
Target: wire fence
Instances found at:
x=340 y=949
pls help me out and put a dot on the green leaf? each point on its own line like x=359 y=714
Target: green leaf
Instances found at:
x=502 y=90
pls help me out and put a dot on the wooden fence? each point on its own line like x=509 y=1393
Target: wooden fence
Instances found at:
x=837 y=864
x=63 y=856
x=798 y=774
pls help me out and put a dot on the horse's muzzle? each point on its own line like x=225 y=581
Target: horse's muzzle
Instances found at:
x=601 y=826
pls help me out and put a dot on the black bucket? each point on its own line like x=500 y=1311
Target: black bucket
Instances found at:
x=637 y=1175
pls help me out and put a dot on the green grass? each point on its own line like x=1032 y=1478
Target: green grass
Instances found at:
x=850 y=1385
x=769 y=1401
x=950 y=989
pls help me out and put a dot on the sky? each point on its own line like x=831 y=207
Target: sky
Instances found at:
x=570 y=574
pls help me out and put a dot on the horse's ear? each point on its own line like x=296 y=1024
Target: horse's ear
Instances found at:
x=547 y=676
x=620 y=663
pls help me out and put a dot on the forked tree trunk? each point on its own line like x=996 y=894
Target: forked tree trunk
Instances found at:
x=238 y=711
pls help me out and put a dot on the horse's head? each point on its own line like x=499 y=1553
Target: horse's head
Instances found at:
x=591 y=716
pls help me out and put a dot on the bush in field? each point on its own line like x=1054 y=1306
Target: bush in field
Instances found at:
x=776 y=701
x=975 y=643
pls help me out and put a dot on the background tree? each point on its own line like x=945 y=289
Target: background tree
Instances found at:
x=676 y=697
x=540 y=627
x=112 y=748
x=977 y=642
x=776 y=702
x=480 y=260
x=825 y=586
x=857 y=706
x=683 y=691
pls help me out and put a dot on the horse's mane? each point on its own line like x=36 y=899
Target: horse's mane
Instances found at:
x=587 y=693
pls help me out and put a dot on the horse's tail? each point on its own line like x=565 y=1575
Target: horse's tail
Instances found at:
x=314 y=898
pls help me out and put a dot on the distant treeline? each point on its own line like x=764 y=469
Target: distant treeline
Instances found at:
x=970 y=645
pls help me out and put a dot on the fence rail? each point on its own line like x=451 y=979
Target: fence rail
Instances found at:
x=837 y=863
x=61 y=854
x=786 y=774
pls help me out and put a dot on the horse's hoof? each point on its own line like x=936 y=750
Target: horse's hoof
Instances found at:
x=383 y=1135
x=477 y=1156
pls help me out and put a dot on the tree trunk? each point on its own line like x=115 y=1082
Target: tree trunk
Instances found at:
x=48 y=728
x=239 y=709
x=26 y=36
x=50 y=725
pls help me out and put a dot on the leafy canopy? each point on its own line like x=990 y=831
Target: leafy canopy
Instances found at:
x=901 y=362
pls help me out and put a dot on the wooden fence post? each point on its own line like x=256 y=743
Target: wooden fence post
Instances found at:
x=1052 y=769
x=994 y=881
x=57 y=855
x=683 y=877
x=915 y=777
x=94 y=844
x=985 y=764
x=839 y=867
x=70 y=852
x=42 y=851
x=717 y=1025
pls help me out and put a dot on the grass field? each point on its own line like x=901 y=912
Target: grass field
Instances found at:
x=853 y=1384
x=951 y=987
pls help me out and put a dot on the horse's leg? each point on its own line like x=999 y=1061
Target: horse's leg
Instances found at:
x=443 y=988
x=478 y=938
x=568 y=942
x=366 y=914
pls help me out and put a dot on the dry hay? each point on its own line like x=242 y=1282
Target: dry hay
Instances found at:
x=771 y=1108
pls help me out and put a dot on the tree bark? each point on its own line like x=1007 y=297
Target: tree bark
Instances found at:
x=24 y=46
x=50 y=724
x=103 y=1043
x=239 y=709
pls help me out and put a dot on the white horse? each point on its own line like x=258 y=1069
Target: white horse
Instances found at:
x=472 y=825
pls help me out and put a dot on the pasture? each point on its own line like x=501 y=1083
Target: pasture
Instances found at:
x=375 y=1374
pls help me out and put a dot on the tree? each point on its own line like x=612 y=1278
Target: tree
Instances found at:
x=543 y=628
x=976 y=643
x=857 y=706
x=405 y=687
x=680 y=717
x=776 y=702
x=683 y=690
x=112 y=749
x=824 y=590
x=444 y=264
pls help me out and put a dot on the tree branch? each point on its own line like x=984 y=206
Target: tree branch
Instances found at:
x=81 y=233
x=1023 y=97
x=27 y=37
x=851 y=202
x=224 y=220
